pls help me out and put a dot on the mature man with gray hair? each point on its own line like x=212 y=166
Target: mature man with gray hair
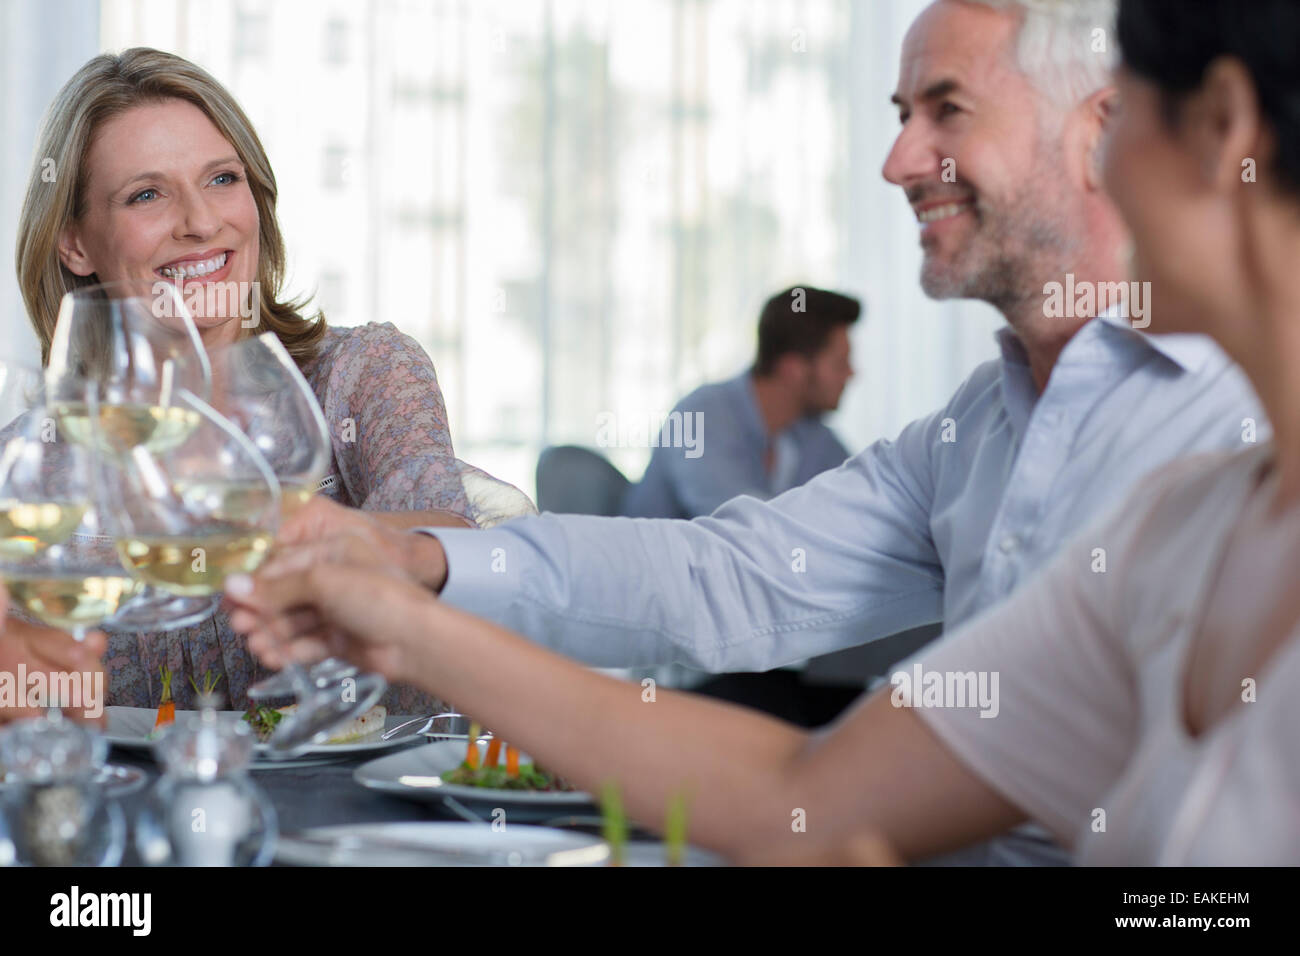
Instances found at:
x=1004 y=108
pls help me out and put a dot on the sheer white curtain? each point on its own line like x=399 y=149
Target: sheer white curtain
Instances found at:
x=576 y=206
x=42 y=42
x=911 y=352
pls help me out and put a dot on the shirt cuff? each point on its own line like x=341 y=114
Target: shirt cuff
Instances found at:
x=482 y=568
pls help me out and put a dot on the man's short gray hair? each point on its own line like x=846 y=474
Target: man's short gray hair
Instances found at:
x=1065 y=47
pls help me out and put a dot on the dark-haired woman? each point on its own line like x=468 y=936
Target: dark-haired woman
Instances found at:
x=1144 y=715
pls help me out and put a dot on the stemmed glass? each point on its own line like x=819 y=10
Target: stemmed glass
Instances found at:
x=187 y=517
x=257 y=385
x=135 y=339
x=189 y=514
x=61 y=571
x=55 y=558
x=57 y=564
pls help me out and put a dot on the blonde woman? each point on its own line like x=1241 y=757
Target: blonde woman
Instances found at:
x=159 y=174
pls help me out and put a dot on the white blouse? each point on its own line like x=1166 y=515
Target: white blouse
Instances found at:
x=1092 y=654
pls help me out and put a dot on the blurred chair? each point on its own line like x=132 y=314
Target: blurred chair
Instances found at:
x=576 y=480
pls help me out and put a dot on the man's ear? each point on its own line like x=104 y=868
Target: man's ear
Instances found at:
x=1223 y=124
x=73 y=254
x=1098 y=116
x=791 y=367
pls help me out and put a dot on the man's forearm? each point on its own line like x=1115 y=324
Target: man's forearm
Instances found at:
x=750 y=591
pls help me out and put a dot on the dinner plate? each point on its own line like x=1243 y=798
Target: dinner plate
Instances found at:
x=416 y=773
x=129 y=728
x=439 y=844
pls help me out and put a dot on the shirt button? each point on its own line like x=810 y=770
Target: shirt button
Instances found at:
x=1009 y=544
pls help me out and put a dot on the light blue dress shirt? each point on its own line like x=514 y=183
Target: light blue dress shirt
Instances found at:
x=938 y=524
x=731 y=459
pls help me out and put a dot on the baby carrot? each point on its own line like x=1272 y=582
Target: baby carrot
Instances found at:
x=512 y=762
x=494 y=751
x=471 y=751
x=166 y=706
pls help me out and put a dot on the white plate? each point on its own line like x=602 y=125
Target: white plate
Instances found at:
x=417 y=773
x=129 y=728
x=439 y=844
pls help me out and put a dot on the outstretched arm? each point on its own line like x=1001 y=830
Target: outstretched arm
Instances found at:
x=750 y=780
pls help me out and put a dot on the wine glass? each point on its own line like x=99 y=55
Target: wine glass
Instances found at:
x=189 y=516
x=60 y=571
x=57 y=562
x=136 y=339
x=257 y=385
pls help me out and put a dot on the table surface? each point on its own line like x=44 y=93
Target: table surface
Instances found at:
x=310 y=796
x=307 y=796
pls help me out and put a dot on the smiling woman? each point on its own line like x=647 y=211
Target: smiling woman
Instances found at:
x=156 y=167
x=159 y=175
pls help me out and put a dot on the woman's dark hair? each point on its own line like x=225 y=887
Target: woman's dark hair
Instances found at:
x=800 y=320
x=1171 y=43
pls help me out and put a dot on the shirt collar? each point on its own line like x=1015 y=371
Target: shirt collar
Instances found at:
x=1189 y=351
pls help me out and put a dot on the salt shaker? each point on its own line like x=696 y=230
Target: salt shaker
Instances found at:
x=205 y=810
x=52 y=811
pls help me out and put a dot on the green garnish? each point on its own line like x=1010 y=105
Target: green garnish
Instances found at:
x=209 y=683
x=531 y=777
x=263 y=720
x=675 y=830
x=615 y=822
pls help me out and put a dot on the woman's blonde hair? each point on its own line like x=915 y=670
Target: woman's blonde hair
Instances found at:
x=105 y=87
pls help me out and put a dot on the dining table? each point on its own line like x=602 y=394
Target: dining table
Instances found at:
x=312 y=793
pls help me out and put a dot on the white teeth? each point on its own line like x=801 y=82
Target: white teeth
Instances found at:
x=193 y=270
x=941 y=212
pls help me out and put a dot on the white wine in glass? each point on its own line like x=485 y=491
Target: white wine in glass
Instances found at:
x=192 y=565
x=56 y=562
x=120 y=428
x=28 y=526
x=74 y=601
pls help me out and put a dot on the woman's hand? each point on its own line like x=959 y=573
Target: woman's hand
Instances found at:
x=336 y=594
x=49 y=651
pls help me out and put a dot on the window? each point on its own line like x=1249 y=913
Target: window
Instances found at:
x=579 y=206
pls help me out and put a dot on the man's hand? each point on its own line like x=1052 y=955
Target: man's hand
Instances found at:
x=335 y=595
x=47 y=650
x=317 y=529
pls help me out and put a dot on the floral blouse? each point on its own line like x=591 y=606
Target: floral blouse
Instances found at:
x=392 y=452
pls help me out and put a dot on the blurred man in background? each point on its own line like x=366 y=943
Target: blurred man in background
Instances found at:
x=765 y=433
